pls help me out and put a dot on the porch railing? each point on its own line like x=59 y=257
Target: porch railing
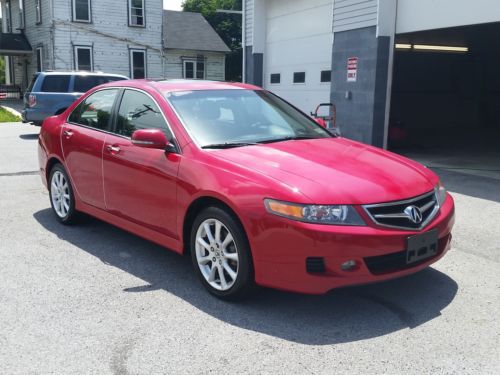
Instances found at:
x=10 y=92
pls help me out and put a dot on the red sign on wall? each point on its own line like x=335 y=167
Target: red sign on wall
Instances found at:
x=352 y=69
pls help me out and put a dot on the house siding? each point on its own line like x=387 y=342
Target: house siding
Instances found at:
x=110 y=47
x=39 y=35
x=214 y=63
x=354 y=14
x=109 y=35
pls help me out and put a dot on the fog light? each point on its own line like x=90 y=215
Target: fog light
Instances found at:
x=350 y=265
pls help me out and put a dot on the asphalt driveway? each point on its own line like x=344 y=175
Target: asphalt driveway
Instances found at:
x=94 y=299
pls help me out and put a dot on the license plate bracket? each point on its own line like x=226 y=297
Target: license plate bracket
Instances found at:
x=421 y=246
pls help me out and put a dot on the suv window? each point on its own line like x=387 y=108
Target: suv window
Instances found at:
x=55 y=83
x=32 y=83
x=95 y=110
x=139 y=111
x=85 y=83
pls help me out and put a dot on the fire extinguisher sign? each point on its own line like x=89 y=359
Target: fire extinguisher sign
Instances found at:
x=352 y=69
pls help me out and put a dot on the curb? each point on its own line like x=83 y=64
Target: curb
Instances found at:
x=11 y=110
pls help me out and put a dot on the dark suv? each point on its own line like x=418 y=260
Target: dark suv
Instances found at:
x=50 y=93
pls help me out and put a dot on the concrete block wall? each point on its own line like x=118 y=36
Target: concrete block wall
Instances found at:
x=361 y=104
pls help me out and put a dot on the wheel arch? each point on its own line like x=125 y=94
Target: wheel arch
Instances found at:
x=196 y=207
x=50 y=164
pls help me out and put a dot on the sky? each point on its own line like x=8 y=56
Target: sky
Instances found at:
x=172 y=4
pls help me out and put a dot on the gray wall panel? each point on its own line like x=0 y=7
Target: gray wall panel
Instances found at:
x=361 y=116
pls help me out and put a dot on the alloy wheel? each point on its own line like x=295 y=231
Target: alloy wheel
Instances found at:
x=217 y=254
x=60 y=194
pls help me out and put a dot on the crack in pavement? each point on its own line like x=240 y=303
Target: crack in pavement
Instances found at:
x=121 y=353
x=24 y=173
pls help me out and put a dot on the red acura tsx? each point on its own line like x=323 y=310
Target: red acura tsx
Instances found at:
x=253 y=189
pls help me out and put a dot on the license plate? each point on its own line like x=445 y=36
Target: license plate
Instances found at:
x=421 y=246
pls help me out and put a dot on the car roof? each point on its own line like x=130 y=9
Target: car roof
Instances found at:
x=80 y=73
x=165 y=86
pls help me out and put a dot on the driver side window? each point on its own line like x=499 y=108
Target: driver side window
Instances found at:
x=139 y=111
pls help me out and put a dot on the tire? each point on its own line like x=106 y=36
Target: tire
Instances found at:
x=215 y=254
x=62 y=198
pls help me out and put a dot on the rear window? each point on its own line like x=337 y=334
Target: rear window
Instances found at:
x=33 y=80
x=85 y=83
x=55 y=83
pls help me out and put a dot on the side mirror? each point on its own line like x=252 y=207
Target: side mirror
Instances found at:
x=320 y=122
x=150 y=138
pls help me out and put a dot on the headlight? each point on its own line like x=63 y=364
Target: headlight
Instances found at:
x=440 y=193
x=317 y=214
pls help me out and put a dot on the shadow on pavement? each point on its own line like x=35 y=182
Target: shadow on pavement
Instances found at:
x=343 y=315
x=33 y=136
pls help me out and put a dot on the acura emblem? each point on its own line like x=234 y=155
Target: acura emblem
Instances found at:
x=413 y=213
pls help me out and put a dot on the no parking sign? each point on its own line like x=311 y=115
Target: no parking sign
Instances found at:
x=352 y=69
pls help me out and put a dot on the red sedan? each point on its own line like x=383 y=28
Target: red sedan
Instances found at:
x=254 y=190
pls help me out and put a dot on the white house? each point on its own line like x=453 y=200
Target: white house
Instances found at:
x=193 y=50
x=123 y=37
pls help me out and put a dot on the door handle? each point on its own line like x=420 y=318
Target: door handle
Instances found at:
x=68 y=133
x=113 y=149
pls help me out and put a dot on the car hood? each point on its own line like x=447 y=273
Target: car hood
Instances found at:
x=335 y=170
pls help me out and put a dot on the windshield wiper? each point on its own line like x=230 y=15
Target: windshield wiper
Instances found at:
x=290 y=138
x=230 y=145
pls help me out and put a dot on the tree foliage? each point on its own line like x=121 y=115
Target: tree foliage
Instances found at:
x=228 y=26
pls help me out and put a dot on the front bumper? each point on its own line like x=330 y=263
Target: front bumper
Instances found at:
x=281 y=251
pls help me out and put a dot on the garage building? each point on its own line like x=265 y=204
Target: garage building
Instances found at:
x=412 y=75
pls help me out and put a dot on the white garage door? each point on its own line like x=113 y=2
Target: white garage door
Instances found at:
x=299 y=45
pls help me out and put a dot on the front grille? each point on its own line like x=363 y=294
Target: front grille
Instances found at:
x=315 y=265
x=401 y=214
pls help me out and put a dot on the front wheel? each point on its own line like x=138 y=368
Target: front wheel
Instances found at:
x=221 y=254
x=62 y=198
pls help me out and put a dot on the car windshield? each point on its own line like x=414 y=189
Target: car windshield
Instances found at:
x=231 y=118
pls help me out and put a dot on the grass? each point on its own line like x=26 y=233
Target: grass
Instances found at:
x=6 y=116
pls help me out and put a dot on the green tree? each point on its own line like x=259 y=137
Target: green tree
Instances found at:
x=228 y=26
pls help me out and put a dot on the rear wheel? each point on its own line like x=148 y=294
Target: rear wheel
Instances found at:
x=62 y=198
x=221 y=254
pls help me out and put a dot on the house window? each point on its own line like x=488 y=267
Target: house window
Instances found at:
x=326 y=76
x=194 y=69
x=39 y=59
x=81 y=11
x=136 y=13
x=38 y=11
x=299 y=77
x=83 y=58
x=138 y=64
x=21 y=14
x=275 y=78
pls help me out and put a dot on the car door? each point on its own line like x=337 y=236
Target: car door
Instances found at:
x=82 y=141
x=140 y=184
